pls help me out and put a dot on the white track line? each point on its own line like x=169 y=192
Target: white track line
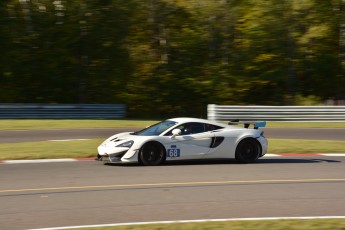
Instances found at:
x=71 y=140
x=272 y=155
x=192 y=221
x=334 y=154
x=38 y=161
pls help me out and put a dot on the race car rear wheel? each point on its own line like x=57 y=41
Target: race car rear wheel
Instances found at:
x=152 y=153
x=248 y=151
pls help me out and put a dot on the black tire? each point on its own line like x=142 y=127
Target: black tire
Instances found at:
x=152 y=153
x=248 y=151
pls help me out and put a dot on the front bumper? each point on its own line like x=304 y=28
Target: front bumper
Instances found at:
x=117 y=154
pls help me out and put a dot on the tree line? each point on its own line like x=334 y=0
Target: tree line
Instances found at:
x=172 y=57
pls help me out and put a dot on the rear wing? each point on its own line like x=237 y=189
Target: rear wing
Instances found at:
x=246 y=124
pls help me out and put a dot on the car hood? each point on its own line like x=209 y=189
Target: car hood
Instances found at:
x=120 y=138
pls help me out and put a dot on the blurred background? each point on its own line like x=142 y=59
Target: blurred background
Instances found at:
x=172 y=57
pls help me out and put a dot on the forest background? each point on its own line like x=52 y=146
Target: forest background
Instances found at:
x=172 y=57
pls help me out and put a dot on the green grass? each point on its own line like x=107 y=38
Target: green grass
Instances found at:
x=316 y=224
x=27 y=124
x=49 y=149
x=88 y=148
x=305 y=146
x=333 y=125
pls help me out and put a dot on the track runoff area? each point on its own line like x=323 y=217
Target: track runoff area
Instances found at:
x=340 y=217
x=91 y=159
x=192 y=221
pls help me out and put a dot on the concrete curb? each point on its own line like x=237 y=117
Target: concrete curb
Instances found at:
x=45 y=160
x=92 y=159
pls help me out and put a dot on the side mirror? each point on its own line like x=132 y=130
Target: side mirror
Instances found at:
x=176 y=132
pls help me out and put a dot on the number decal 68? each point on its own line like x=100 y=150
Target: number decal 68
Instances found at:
x=173 y=152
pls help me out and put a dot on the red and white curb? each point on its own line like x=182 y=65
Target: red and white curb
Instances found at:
x=193 y=221
x=92 y=159
x=305 y=154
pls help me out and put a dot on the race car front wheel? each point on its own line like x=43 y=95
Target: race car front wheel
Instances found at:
x=152 y=153
x=248 y=151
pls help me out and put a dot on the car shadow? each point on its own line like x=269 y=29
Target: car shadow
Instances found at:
x=233 y=161
x=294 y=161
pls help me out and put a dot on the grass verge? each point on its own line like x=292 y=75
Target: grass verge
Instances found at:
x=88 y=148
x=305 y=146
x=312 y=224
x=27 y=124
x=49 y=149
x=330 y=125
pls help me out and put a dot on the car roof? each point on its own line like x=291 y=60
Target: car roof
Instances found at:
x=190 y=119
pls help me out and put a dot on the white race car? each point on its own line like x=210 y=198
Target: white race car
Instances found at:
x=186 y=139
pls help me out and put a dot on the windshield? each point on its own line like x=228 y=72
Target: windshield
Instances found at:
x=156 y=129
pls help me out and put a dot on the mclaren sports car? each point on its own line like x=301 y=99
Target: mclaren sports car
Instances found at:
x=186 y=139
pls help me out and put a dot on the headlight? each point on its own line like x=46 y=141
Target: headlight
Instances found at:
x=126 y=144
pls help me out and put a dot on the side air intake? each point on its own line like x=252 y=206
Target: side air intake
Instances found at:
x=216 y=141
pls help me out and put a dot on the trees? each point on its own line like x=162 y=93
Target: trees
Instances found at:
x=170 y=58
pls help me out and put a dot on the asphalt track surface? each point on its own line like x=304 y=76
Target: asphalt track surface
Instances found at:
x=86 y=193
x=15 y=136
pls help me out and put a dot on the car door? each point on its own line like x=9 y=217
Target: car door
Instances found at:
x=193 y=142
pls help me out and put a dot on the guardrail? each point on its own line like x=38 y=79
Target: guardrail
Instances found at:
x=62 y=111
x=276 y=113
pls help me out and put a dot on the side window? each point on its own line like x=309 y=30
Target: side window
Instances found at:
x=192 y=128
x=212 y=127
